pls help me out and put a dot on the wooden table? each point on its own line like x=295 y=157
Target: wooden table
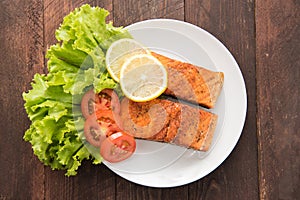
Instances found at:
x=262 y=35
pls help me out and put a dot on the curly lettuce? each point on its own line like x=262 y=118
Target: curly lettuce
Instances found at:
x=75 y=64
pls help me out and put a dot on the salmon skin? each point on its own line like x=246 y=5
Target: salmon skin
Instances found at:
x=192 y=83
x=163 y=120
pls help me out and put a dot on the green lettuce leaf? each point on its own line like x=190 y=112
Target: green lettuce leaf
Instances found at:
x=75 y=64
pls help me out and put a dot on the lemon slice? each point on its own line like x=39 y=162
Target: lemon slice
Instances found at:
x=143 y=78
x=118 y=52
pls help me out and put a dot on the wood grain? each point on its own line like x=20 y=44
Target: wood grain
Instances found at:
x=21 y=39
x=232 y=22
x=278 y=81
x=131 y=11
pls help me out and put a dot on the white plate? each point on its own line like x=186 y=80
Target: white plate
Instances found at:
x=164 y=165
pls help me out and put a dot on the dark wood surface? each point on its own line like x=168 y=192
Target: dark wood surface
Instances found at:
x=263 y=36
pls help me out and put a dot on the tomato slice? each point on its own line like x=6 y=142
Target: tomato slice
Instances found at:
x=88 y=103
x=102 y=115
x=107 y=116
x=107 y=99
x=93 y=132
x=100 y=125
x=108 y=121
x=117 y=147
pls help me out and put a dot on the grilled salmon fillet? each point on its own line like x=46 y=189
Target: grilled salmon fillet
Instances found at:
x=192 y=83
x=167 y=121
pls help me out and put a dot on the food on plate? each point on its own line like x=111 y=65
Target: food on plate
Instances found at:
x=75 y=109
x=94 y=132
x=143 y=78
x=118 y=52
x=107 y=99
x=99 y=126
x=117 y=147
x=103 y=127
x=185 y=81
x=167 y=121
x=192 y=83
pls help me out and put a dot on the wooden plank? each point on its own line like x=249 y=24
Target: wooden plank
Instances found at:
x=131 y=11
x=141 y=192
x=21 y=39
x=125 y=13
x=232 y=22
x=91 y=182
x=278 y=83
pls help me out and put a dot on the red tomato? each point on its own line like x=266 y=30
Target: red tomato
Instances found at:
x=117 y=147
x=107 y=120
x=107 y=99
x=93 y=132
x=98 y=127
x=88 y=103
